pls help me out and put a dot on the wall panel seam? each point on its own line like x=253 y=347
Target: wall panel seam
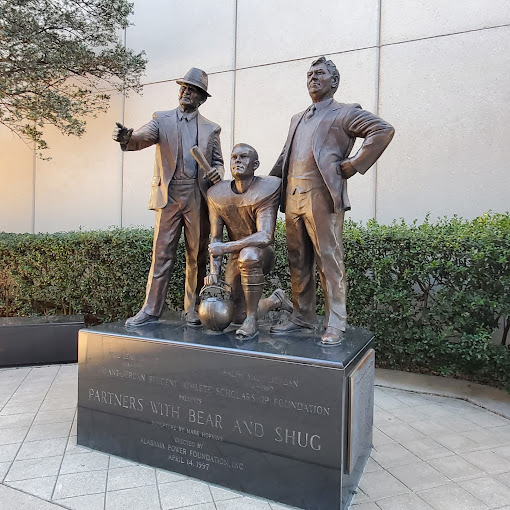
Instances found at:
x=234 y=78
x=377 y=101
x=340 y=52
x=495 y=27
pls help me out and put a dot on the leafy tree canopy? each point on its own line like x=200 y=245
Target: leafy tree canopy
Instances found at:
x=59 y=62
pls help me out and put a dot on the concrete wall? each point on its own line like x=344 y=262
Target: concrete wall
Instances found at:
x=439 y=71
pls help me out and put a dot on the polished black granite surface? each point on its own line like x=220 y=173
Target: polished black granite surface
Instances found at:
x=268 y=417
x=304 y=346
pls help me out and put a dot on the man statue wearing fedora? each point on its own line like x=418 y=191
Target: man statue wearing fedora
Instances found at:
x=314 y=166
x=178 y=193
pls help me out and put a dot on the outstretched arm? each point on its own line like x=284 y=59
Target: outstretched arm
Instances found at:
x=144 y=137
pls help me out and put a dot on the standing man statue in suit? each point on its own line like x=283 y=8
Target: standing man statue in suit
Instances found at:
x=178 y=194
x=314 y=166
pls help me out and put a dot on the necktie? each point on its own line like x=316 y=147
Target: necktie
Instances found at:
x=189 y=163
x=310 y=113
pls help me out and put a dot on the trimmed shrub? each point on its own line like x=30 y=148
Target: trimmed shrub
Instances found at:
x=433 y=294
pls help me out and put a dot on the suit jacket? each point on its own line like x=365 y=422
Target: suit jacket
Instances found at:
x=162 y=130
x=332 y=143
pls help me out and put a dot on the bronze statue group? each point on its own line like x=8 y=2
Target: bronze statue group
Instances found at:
x=308 y=183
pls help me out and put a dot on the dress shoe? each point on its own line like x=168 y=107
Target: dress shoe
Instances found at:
x=192 y=319
x=332 y=336
x=287 y=327
x=140 y=319
x=285 y=302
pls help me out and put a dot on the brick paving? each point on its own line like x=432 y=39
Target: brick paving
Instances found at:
x=430 y=453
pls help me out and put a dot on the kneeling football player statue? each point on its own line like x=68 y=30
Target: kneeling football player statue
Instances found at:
x=247 y=206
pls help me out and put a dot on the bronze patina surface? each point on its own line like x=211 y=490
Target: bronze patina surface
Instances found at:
x=314 y=166
x=247 y=208
x=178 y=192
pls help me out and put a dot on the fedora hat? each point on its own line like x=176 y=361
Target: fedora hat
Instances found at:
x=196 y=77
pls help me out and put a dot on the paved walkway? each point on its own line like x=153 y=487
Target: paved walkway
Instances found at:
x=430 y=452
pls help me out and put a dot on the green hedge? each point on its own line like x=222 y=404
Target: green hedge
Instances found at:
x=434 y=294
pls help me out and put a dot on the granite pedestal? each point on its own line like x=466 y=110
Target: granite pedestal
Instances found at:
x=278 y=417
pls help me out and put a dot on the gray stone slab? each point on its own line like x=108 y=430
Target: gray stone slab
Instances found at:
x=412 y=399
x=456 y=468
x=81 y=462
x=48 y=431
x=401 y=431
x=382 y=417
x=503 y=478
x=488 y=461
x=90 y=502
x=425 y=448
x=457 y=423
x=43 y=448
x=8 y=452
x=243 y=504
x=489 y=398
x=431 y=428
x=387 y=403
x=40 y=487
x=117 y=462
x=360 y=497
x=59 y=403
x=404 y=502
x=380 y=439
x=61 y=394
x=489 y=438
x=33 y=468
x=457 y=443
x=503 y=451
x=63 y=415
x=130 y=477
x=27 y=407
x=14 y=499
x=144 y=497
x=492 y=492
x=278 y=506
x=184 y=493
x=80 y=484
x=166 y=476
x=419 y=476
x=4 y=467
x=372 y=466
x=391 y=455
x=26 y=397
x=451 y=497
x=16 y=420
x=381 y=484
x=486 y=419
x=20 y=372
x=367 y=506
x=408 y=414
x=435 y=410
x=15 y=435
x=221 y=494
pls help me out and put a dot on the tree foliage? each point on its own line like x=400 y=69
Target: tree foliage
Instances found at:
x=59 y=62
